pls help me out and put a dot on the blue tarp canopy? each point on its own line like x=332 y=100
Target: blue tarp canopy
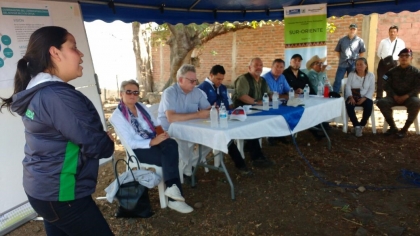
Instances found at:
x=201 y=11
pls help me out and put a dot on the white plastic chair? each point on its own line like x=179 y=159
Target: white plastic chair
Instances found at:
x=129 y=152
x=154 y=110
x=402 y=108
x=357 y=108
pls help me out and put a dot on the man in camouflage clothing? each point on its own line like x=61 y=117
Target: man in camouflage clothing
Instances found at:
x=402 y=85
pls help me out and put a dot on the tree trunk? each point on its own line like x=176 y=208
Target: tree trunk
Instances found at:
x=182 y=42
x=142 y=50
x=184 y=39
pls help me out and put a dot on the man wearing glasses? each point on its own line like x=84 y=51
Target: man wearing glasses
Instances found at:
x=402 y=86
x=181 y=102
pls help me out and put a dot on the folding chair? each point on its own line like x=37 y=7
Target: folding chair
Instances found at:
x=129 y=152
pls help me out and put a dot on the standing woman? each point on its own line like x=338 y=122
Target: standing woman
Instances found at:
x=64 y=135
x=358 y=92
x=137 y=126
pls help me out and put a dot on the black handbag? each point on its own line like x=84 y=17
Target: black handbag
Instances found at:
x=133 y=198
x=389 y=60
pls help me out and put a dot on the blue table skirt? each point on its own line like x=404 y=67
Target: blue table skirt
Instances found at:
x=292 y=115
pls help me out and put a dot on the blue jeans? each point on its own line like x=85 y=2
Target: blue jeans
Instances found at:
x=367 y=111
x=80 y=217
x=339 y=75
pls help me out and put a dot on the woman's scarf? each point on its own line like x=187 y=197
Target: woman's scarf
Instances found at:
x=129 y=116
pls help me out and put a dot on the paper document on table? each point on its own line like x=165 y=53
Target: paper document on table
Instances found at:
x=295 y=102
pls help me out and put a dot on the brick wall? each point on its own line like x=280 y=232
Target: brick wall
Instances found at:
x=409 y=30
x=408 y=24
x=266 y=42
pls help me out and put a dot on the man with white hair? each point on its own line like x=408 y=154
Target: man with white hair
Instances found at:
x=181 y=102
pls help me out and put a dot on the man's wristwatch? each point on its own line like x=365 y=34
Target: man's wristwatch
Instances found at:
x=255 y=101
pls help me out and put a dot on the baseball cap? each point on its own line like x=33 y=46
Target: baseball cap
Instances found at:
x=238 y=114
x=353 y=26
x=297 y=56
x=406 y=50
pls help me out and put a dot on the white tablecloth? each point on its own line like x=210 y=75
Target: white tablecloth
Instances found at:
x=317 y=110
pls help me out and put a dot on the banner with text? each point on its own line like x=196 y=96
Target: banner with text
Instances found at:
x=17 y=22
x=305 y=32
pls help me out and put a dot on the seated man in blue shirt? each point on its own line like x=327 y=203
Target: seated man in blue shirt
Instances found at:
x=277 y=83
x=276 y=80
x=216 y=94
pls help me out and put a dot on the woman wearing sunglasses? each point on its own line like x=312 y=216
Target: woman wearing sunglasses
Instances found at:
x=149 y=142
x=64 y=135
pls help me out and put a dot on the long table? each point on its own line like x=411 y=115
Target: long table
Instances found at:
x=317 y=110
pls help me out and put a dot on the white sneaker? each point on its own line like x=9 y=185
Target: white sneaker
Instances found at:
x=358 y=131
x=174 y=193
x=180 y=206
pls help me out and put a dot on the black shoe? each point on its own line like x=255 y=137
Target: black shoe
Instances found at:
x=391 y=131
x=284 y=140
x=318 y=135
x=245 y=171
x=401 y=134
x=272 y=141
x=261 y=162
x=326 y=125
x=188 y=179
x=247 y=148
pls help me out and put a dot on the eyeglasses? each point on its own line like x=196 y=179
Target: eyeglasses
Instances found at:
x=129 y=92
x=192 y=81
x=405 y=55
x=319 y=63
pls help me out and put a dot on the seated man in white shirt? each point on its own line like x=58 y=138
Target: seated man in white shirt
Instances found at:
x=181 y=102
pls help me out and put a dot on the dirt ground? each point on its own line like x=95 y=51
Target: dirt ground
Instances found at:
x=291 y=197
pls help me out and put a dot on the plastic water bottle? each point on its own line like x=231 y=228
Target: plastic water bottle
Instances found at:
x=275 y=99
x=223 y=117
x=214 y=117
x=306 y=92
x=266 y=102
x=291 y=93
x=320 y=92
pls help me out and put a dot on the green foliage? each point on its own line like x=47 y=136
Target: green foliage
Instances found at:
x=161 y=33
x=330 y=25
